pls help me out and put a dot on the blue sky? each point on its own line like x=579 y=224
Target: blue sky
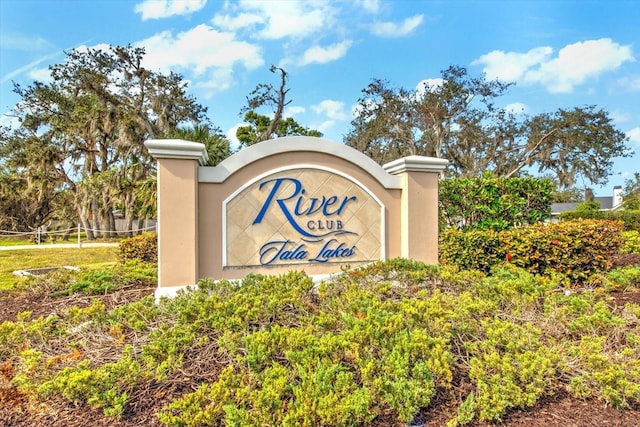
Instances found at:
x=561 y=54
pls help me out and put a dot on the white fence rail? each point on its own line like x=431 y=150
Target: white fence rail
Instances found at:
x=42 y=234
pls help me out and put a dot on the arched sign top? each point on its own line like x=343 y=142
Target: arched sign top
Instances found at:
x=289 y=203
x=291 y=144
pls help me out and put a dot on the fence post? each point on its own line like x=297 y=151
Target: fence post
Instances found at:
x=79 y=243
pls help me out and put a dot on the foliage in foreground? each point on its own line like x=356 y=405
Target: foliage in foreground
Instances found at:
x=383 y=341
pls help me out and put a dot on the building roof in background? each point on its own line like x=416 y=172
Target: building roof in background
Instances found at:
x=606 y=203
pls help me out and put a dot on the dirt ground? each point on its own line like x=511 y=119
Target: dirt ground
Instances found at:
x=148 y=398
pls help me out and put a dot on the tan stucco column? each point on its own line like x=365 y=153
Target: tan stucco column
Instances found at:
x=418 y=205
x=178 y=163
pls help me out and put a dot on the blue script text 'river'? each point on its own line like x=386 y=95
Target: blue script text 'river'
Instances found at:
x=295 y=206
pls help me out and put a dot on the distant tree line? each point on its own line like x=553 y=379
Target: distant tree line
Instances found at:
x=77 y=153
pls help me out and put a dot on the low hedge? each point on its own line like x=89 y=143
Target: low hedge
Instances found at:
x=575 y=248
x=143 y=247
x=631 y=242
x=630 y=218
x=394 y=343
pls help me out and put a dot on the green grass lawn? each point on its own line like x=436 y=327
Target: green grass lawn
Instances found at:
x=8 y=241
x=39 y=258
x=73 y=238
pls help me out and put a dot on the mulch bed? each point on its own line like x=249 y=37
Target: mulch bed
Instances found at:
x=149 y=397
x=44 y=304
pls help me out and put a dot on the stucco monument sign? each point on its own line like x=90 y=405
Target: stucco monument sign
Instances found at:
x=291 y=203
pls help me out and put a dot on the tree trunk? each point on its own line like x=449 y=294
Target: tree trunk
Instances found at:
x=141 y=226
x=108 y=223
x=129 y=212
x=129 y=225
x=96 y=218
x=67 y=233
x=86 y=224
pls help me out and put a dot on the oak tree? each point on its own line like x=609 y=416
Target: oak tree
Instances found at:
x=457 y=118
x=88 y=125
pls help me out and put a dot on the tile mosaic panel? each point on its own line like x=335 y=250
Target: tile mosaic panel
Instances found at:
x=302 y=216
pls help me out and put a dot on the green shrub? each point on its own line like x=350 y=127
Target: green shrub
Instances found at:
x=378 y=343
x=630 y=218
x=102 y=281
x=341 y=372
x=596 y=371
x=631 y=244
x=622 y=278
x=25 y=333
x=490 y=203
x=472 y=250
x=103 y=387
x=143 y=247
x=511 y=367
x=574 y=248
x=94 y=282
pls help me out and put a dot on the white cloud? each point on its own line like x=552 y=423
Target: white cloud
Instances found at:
x=574 y=65
x=331 y=109
x=10 y=120
x=578 y=62
x=516 y=108
x=28 y=68
x=40 y=74
x=292 y=111
x=620 y=116
x=156 y=9
x=22 y=42
x=630 y=83
x=322 y=55
x=634 y=135
x=511 y=66
x=371 y=6
x=217 y=80
x=278 y=19
x=325 y=126
x=234 y=143
x=392 y=29
x=234 y=23
x=428 y=85
x=208 y=53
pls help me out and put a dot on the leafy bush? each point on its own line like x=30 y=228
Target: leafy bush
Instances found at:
x=103 y=387
x=575 y=248
x=143 y=247
x=596 y=370
x=622 y=278
x=630 y=218
x=490 y=203
x=512 y=367
x=102 y=281
x=378 y=343
x=631 y=244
